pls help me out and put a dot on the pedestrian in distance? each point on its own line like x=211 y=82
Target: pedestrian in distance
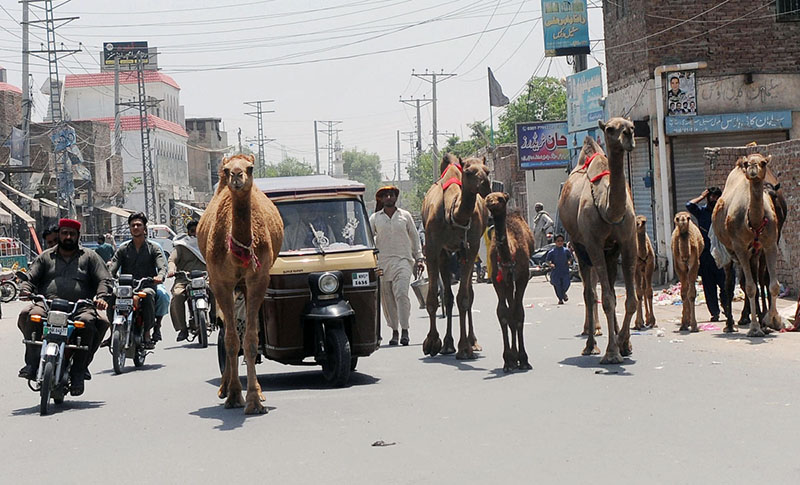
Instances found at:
x=713 y=278
x=560 y=258
x=399 y=254
x=103 y=249
x=542 y=226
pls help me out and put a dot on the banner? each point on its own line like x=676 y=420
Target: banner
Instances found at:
x=584 y=91
x=542 y=145
x=682 y=94
x=566 y=28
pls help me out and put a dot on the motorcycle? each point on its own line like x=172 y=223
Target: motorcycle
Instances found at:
x=200 y=325
x=127 y=329
x=53 y=378
x=538 y=265
x=9 y=289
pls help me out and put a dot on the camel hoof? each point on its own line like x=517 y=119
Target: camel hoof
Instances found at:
x=609 y=359
x=524 y=365
x=234 y=400
x=598 y=332
x=695 y=329
x=465 y=354
x=476 y=347
x=684 y=328
x=755 y=332
x=626 y=350
x=591 y=350
x=431 y=346
x=638 y=327
x=254 y=406
x=507 y=368
x=728 y=329
x=222 y=393
x=744 y=321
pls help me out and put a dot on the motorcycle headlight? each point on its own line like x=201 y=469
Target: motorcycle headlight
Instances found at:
x=125 y=292
x=198 y=283
x=328 y=283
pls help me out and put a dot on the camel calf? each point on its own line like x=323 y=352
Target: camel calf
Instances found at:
x=687 y=244
x=645 y=264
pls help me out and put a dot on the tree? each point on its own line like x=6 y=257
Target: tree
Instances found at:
x=363 y=167
x=420 y=172
x=479 y=138
x=288 y=167
x=546 y=100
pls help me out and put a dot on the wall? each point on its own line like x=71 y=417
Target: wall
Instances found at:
x=785 y=160
x=10 y=112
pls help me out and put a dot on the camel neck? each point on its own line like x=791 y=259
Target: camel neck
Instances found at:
x=617 y=185
x=501 y=237
x=641 y=240
x=465 y=205
x=241 y=230
x=755 y=211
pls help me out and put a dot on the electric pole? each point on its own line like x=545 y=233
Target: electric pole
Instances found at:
x=418 y=103
x=239 y=135
x=433 y=78
x=331 y=147
x=258 y=114
x=411 y=139
x=316 y=145
x=26 y=90
x=398 y=156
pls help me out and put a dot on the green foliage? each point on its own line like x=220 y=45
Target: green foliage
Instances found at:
x=546 y=100
x=132 y=184
x=420 y=172
x=288 y=167
x=479 y=138
x=363 y=167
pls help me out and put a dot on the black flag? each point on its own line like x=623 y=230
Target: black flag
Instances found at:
x=496 y=96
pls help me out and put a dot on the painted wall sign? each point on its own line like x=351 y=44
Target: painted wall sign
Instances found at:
x=566 y=27
x=542 y=145
x=584 y=91
x=724 y=123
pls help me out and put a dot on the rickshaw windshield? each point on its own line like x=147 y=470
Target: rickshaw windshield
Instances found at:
x=324 y=226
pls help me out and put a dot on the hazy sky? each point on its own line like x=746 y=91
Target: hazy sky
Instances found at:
x=346 y=60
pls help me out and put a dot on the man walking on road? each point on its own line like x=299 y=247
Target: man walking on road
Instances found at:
x=542 y=226
x=105 y=250
x=399 y=253
x=186 y=257
x=711 y=276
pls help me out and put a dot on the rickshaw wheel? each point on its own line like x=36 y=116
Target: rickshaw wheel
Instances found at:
x=337 y=364
x=353 y=363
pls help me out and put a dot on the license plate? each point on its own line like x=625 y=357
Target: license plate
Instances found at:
x=124 y=302
x=57 y=331
x=198 y=292
x=360 y=279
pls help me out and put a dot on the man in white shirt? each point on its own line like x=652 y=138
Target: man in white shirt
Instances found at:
x=398 y=252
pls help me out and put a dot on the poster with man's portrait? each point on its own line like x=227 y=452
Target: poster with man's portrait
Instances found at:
x=681 y=94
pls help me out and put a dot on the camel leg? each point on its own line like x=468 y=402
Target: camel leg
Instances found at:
x=230 y=386
x=744 y=319
x=773 y=319
x=648 y=298
x=684 y=279
x=473 y=340
x=727 y=303
x=465 y=350
x=612 y=257
x=589 y=301
x=612 y=355
x=256 y=288
x=639 y=323
x=692 y=296
x=519 y=320
x=750 y=294
x=448 y=346
x=432 y=344
x=502 y=317
x=624 y=337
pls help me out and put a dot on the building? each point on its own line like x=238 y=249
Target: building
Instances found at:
x=696 y=84
x=10 y=106
x=206 y=148
x=91 y=97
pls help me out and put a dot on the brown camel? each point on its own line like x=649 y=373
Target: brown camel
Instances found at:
x=587 y=322
x=687 y=244
x=510 y=250
x=645 y=264
x=746 y=223
x=596 y=209
x=454 y=216
x=240 y=235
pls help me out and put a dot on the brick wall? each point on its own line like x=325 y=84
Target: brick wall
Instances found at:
x=10 y=112
x=785 y=160
x=755 y=44
x=505 y=169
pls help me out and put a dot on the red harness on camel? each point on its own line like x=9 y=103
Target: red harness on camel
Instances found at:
x=757 y=233
x=451 y=180
x=599 y=175
x=243 y=252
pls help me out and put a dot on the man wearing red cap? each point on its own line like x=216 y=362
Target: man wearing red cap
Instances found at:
x=398 y=251
x=69 y=272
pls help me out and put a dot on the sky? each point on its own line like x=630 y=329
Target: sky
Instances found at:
x=343 y=60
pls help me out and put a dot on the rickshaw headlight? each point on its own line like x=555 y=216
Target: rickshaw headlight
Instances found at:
x=328 y=283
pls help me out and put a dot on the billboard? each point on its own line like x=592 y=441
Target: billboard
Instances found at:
x=566 y=27
x=681 y=94
x=584 y=91
x=126 y=52
x=542 y=144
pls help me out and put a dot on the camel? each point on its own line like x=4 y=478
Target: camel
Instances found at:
x=746 y=223
x=645 y=264
x=454 y=216
x=596 y=209
x=587 y=322
x=240 y=255
x=511 y=248
x=687 y=244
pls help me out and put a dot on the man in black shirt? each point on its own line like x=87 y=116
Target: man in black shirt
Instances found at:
x=713 y=277
x=142 y=259
x=70 y=272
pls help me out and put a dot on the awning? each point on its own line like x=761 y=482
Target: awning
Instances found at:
x=190 y=207
x=34 y=202
x=116 y=211
x=49 y=208
x=14 y=208
x=5 y=217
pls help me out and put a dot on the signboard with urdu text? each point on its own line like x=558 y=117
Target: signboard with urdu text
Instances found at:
x=542 y=145
x=566 y=27
x=126 y=52
x=584 y=91
x=725 y=123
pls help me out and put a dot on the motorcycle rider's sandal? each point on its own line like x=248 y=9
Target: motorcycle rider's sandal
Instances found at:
x=28 y=372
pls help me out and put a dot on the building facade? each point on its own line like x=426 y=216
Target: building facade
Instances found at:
x=206 y=148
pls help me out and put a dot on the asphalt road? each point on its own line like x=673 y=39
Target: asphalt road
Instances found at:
x=685 y=408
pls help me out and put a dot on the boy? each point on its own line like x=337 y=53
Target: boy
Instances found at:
x=561 y=259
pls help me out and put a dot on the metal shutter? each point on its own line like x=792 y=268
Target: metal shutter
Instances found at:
x=688 y=159
x=642 y=196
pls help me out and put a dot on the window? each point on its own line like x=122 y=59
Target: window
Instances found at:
x=788 y=10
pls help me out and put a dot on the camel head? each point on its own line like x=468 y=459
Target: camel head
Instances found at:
x=618 y=131
x=447 y=160
x=754 y=166
x=641 y=225
x=476 y=176
x=682 y=221
x=236 y=173
x=590 y=147
x=496 y=203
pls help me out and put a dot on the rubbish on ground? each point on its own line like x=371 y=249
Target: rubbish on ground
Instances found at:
x=383 y=443
x=659 y=367
x=708 y=327
x=603 y=371
x=660 y=332
x=676 y=341
x=715 y=362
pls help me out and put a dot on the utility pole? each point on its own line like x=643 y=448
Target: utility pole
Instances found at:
x=433 y=78
x=117 y=122
x=398 y=156
x=331 y=147
x=411 y=139
x=239 y=135
x=418 y=103
x=261 y=168
x=316 y=145
x=26 y=90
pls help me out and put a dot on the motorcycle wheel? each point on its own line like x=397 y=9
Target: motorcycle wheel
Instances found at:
x=8 y=291
x=337 y=364
x=221 y=350
x=202 y=329
x=47 y=383
x=139 y=356
x=117 y=352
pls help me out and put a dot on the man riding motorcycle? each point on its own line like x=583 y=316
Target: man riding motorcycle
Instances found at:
x=186 y=257
x=142 y=259
x=70 y=272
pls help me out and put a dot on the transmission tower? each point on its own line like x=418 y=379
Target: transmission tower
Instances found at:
x=418 y=103
x=433 y=78
x=333 y=134
x=258 y=114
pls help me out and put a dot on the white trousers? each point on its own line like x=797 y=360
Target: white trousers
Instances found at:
x=395 y=282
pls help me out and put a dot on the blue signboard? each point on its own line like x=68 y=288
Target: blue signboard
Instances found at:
x=542 y=145
x=566 y=28
x=584 y=91
x=725 y=123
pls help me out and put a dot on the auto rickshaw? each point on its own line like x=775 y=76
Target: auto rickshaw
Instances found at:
x=322 y=304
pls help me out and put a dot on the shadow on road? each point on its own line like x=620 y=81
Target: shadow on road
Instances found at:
x=452 y=361
x=132 y=368
x=230 y=419
x=67 y=405
x=593 y=362
x=749 y=340
x=293 y=381
x=500 y=373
